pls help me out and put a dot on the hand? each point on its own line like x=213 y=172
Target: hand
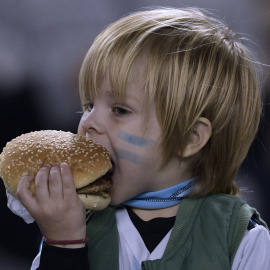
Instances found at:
x=56 y=207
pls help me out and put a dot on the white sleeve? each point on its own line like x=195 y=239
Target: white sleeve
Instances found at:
x=17 y=208
x=254 y=250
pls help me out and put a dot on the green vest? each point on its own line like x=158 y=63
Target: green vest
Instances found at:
x=206 y=235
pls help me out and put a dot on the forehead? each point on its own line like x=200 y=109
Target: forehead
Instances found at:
x=134 y=90
x=118 y=81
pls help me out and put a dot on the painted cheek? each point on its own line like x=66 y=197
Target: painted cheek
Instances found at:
x=135 y=140
x=129 y=156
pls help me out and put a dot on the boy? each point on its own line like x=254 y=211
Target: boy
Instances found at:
x=173 y=95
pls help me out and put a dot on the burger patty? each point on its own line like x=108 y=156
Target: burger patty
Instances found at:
x=101 y=184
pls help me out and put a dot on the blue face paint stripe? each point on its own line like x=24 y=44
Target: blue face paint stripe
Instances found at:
x=126 y=155
x=135 y=140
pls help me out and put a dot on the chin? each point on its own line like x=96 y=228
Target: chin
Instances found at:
x=115 y=202
x=119 y=195
x=116 y=199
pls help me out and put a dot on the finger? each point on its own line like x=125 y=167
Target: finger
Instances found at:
x=41 y=183
x=25 y=195
x=55 y=182
x=67 y=180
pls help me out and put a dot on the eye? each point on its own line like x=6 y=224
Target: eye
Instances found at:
x=88 y=106
x=120 y=112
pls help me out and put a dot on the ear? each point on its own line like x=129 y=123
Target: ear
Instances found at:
x=198 y=137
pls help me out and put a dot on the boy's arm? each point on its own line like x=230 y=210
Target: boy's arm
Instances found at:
x=59 y=214
x=55 y=258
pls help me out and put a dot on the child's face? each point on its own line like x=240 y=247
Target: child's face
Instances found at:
x=134 y=149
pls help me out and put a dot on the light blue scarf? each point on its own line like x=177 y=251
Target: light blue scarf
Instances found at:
x=162 y=198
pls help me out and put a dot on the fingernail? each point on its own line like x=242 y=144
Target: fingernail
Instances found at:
x=63 y=165
x=55 y=164
x=27 y=174
x=47 y=165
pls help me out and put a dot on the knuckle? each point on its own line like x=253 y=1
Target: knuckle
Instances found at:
x=38 y=185
x=53 y=181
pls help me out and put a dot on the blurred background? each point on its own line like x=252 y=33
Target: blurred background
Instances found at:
x=42 y=45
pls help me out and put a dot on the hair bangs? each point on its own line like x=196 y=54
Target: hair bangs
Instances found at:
x=114 y=59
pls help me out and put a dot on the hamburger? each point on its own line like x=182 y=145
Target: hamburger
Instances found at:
x=90 y=163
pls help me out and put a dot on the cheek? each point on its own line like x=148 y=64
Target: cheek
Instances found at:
x=136 y=151
x=130 y=156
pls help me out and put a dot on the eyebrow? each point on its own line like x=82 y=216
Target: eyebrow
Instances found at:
x=109 y=93
x=135 y=140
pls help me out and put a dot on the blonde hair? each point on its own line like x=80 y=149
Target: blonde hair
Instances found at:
x=196 y=67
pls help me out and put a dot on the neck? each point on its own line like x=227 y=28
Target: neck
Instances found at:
x=148 y=214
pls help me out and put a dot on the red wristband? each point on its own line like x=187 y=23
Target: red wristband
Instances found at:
x=66 y=242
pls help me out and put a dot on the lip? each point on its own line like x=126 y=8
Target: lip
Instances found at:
x=112 y=168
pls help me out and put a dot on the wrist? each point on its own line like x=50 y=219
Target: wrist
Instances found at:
x=78 y=243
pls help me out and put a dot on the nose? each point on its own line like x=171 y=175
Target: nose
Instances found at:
x=93 y=126
x=91 y=123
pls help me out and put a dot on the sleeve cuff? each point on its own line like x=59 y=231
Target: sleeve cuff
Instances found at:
x=55 y=258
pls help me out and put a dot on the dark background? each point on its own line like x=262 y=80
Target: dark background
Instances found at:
x=42 y=45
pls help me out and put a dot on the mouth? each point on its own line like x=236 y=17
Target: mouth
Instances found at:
x=111 y=169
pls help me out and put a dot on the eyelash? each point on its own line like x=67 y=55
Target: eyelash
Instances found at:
x=117 y=110
x=88 y=106
x=120 y=112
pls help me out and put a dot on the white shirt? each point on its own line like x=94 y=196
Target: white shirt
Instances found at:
x=254 y=251
x=132 y=250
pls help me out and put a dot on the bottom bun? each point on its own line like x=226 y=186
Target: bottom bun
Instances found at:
x=94 y=202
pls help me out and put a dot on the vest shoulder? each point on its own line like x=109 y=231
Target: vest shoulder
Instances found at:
x=232 y=214
x=223 y=198
x=228 y=207
x=207 y=226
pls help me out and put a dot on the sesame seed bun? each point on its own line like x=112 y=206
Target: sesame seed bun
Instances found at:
x=88 y=161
